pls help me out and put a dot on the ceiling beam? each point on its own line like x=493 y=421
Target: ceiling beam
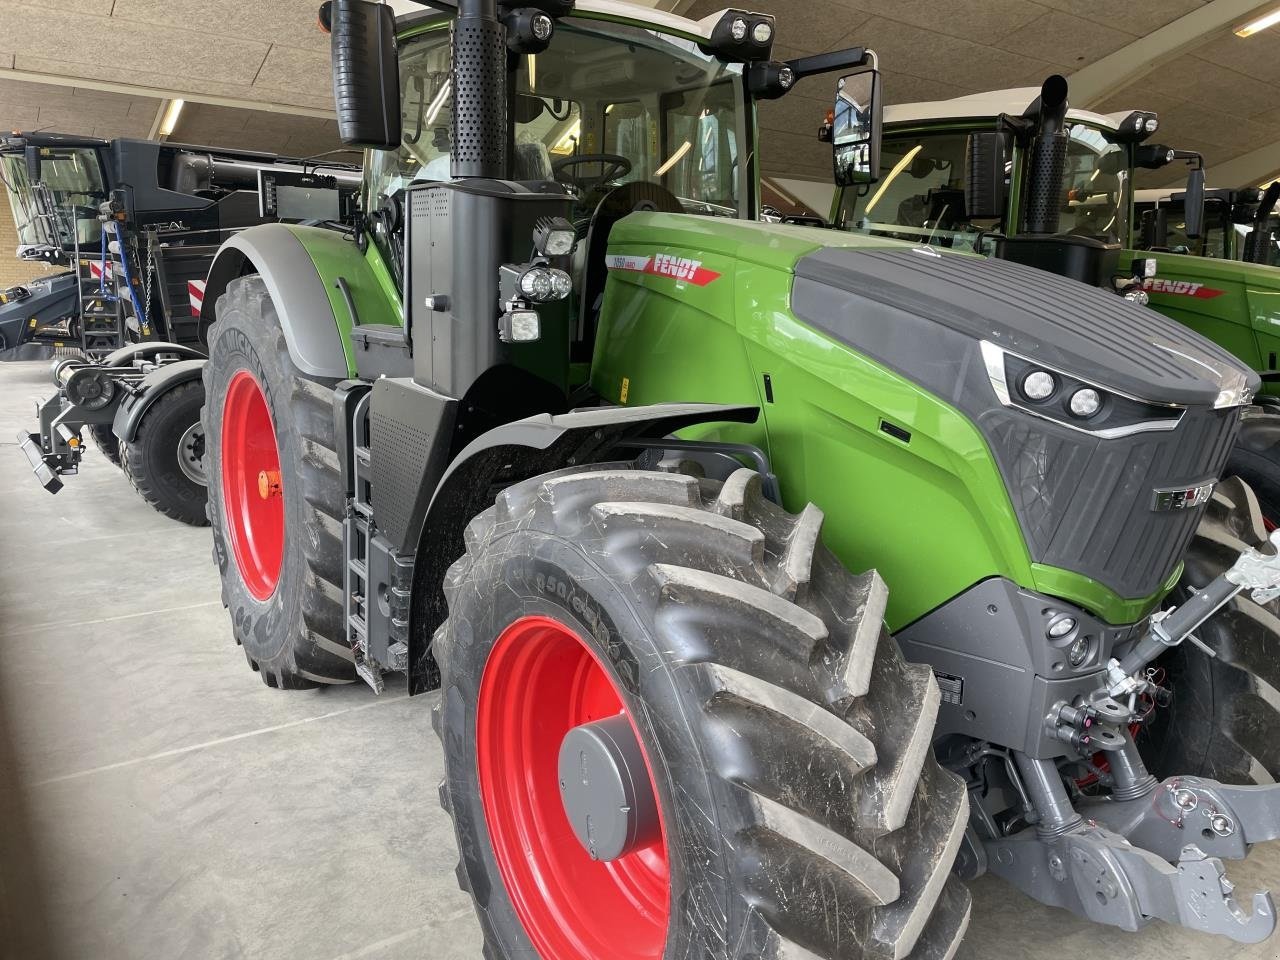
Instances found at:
x=154 y=132
x=1094 y=83
x=678 y=7
x=158 y=93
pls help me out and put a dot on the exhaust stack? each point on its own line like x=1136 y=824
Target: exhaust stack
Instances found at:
x=479 y=91
x=1048 y=160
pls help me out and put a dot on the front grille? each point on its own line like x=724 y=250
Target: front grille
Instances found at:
x=1087 y=505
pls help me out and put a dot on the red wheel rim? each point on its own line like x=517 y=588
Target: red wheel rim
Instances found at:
x=542 y=680
x=251 y=489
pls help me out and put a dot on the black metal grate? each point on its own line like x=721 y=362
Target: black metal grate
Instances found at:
x=1086 y=505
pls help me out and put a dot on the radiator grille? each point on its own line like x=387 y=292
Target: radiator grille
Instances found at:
x=1086 y=505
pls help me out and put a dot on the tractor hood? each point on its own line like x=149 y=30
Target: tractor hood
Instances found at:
x=1058 y=323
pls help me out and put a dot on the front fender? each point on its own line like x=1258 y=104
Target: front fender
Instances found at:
x=151 y=388
x=300 y=267
x=513 y=452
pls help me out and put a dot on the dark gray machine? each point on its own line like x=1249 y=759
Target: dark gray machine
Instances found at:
x=139 y=221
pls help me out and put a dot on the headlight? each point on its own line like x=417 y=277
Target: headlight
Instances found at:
x=1070 y=401
x=763 y=32
x=739 y=30
x=1086 y=403
x=1039 y=385
x=544 y=284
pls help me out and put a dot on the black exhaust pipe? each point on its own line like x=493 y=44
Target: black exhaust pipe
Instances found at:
x=1258 y=241
x=479 y=92
x=1048 y=159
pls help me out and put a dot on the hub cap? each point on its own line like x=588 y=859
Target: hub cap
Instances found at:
x=191 y=454
x=545 y=696
x=254 y=522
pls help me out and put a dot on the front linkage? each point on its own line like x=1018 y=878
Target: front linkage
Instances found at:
x=1148 y=850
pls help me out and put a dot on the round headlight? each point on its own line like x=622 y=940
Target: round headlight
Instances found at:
x=1086 y=402
x=561 y=284
x=1061 y=627
x=1039 y=385
x=1078 y=652
x=1152 y=124
x=739 y=29
x=542 y=26
x=536 y=283
x=786 y=77
x=763 y=33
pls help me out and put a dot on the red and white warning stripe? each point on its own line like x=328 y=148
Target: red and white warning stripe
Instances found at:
x=96 y=269
x=195 y=293
x=665 y=265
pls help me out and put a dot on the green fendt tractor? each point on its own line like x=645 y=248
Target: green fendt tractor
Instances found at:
x=1024 y=176
x=1241 y=225
x=560 y=429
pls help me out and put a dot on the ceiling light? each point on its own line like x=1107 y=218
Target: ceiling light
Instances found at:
x=1259 y=24
x=170 y=120
x=893 y=175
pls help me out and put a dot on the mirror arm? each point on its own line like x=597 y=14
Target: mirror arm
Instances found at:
x=849 y=59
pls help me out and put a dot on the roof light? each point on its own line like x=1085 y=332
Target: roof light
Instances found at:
x=1259 y=24
x=739 y=29
x=171 y=115
x=763 y=32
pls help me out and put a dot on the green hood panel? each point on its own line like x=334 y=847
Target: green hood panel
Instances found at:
x=700 y=309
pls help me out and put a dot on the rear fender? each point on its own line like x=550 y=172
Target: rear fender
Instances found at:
x=506 y=455
x=151 y=388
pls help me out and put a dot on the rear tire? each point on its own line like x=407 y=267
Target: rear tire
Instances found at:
x=105 y=439
x=788 y=743
x=288 y=614
x=1223 y=722
x=158 y=461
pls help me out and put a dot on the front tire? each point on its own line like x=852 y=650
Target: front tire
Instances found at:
x=1255 y=458
x=275 y=496
x=1223 y=722
x=786 y=743
x=164 y=460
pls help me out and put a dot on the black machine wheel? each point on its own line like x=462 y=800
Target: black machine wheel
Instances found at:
x=164 y=460
x=1256 y=458
x=105 y=439
x=1223 y=721
x=788 y=803
x=275 y=496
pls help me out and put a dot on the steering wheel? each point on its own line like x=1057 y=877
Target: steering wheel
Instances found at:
x=612 y=167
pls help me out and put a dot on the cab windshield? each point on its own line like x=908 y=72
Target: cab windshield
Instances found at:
x=605 y=105
x=921 y=195
x=76 y=187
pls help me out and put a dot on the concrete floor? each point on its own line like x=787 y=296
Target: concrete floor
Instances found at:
x=159 y=801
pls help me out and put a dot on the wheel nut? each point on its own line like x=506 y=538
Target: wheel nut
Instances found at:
x=268 y=484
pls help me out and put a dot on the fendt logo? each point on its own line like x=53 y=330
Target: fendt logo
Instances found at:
x=665 y=265
x=1183 y=498
x=1181 y=288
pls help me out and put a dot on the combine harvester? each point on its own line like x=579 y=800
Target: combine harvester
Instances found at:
x=140 y=221
x=570 y=434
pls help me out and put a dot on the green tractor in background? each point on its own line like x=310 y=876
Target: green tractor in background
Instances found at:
x=1241 y=225
x=561 y=429
x=1022 y=175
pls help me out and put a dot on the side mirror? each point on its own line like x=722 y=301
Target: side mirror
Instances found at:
x=366 y=70
x=855 y=131
x=985 y=186
x=1194 y=203
x=32 y=156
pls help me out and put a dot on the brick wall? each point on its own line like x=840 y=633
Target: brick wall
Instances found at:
x=13 y=270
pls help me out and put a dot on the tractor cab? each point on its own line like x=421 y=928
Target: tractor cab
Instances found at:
x=1018 y=173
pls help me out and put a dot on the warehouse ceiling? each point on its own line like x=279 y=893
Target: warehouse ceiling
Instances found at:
x=256 y=75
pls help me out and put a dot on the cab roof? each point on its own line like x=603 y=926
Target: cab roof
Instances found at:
x=659 y=19
x=979 y=106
